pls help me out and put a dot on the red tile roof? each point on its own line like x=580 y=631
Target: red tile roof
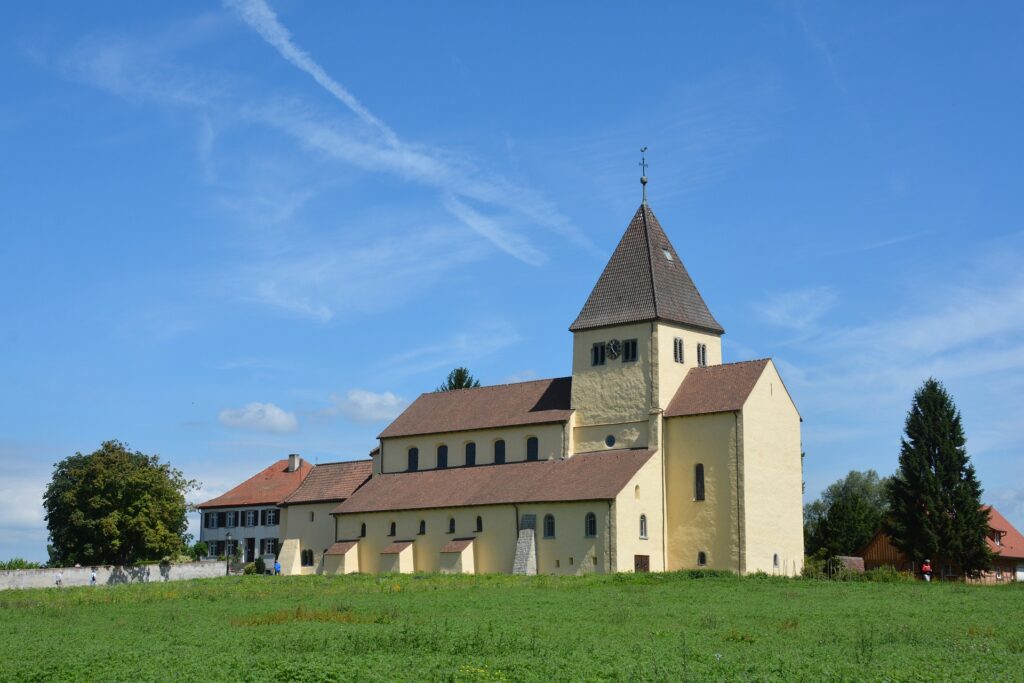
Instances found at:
x=341 y=547
x=716 y=388
x=591 y=476
x=503 y=405
x=396 y=547
x=332 y=481
x=457 y=545
x=1012 y=541
x=268 y=487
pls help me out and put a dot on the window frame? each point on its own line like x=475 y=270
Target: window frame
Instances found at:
x=423 y=528
x=451 y=525
x=500 y=452
x=470 y=454
x=532 y=454
x=479 y=524
x=699 y=487
x=393 y=529
x=630 y=351
x=590 y=525
x=362 y=530
x=442 y=456
x=702 y=558
x=412 y=463
x=678 y=350
x=546 y=532
x=597 y=354
x=643 y=526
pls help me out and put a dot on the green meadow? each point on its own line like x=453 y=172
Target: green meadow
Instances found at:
x=668 y=627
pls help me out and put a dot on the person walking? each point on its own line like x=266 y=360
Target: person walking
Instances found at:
x=92 y=577
x=926 y=570
x=277 y=567
x=60 y=578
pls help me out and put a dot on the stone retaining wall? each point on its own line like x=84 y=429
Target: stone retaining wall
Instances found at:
x=110 y=576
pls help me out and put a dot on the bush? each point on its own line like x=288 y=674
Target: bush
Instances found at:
x=200 y=550
x=888 y=575
x=19 y=563
x=261 y=566
x=249 y=568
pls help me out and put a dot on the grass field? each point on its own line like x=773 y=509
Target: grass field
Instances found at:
x=494 y=628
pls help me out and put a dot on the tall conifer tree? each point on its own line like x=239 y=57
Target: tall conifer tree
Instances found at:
x=935 y=497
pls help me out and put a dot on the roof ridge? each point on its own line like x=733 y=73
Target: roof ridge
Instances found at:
x=494 y=386
x=341 y=462
x=650 y=257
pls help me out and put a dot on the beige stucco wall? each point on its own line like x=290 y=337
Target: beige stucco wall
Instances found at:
x=298 y=532
x=401 y=562
x=772 y=480
x=345 y=563
x=550 y=442
x=628 y=435
x=615 y=392
x=570 y=552
x=670 y=373
x=709 y=525
x=641 y=496
x=458 y=563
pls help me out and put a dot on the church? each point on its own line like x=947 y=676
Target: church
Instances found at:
x=652 y=456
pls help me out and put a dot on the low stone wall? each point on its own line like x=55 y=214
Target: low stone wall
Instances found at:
x=111 y=576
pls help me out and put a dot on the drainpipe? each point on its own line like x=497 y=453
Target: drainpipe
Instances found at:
x=739 y=514
x=609 y=546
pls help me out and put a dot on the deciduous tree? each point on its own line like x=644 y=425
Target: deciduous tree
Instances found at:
x=115 y=506
x=847 y=514
x=935 y=497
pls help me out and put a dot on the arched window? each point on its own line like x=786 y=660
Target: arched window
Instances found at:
x=499 y=452
x=306 y=558
x=532 y=448
x=590 y=525
x=479 y=523
x=451 y=525
x=362 y=530
x=470 y=454
x=414 y=460
x=423 y=526
x=698 y=482
x=442 y=457
x=702 y=558
x=636 y=492
x=643 y=526
x=391 y=531
x=549 y=526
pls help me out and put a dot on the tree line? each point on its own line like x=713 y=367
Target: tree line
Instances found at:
x=930 y=507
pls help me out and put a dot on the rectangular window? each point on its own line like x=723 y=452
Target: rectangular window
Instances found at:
x=597 y=354
x=677 y=350
x=232 y=519
x=208 y=520
x=273 y=517
x=629 y=351
x=250 y=518
x=263 y=517
x=221 y=519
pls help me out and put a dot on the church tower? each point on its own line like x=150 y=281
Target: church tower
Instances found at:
x=642 y=328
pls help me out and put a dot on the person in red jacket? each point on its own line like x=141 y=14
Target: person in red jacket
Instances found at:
x=926 y=570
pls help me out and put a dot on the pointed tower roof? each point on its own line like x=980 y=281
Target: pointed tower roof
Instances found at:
x=645 y=280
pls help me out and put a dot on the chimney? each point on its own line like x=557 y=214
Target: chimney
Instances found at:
x=294 y=462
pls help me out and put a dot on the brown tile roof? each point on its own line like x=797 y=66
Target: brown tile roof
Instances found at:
x=268 y=487
x=503 y=405
x=341 y=547
x=716 y=388
x=641 y=283
x=457 y=545
x=396 y=547
x=591 y=476
x=331 y=481
x=1013 y=542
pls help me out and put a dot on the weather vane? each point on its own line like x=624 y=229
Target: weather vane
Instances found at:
x=643 y=171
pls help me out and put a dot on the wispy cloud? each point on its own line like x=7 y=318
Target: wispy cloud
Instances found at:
x=458 y=350
x=797 y=310
x=367 y=407
x=260 y=417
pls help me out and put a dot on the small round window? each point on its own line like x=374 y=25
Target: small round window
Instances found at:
x=609 y=441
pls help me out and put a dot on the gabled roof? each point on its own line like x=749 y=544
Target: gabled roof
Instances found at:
x=590 y=476
x=457 y=545
x=1012 y=541
x=503 y=405
x=645 y=280
x=716 y=388
x=268 y=487
x=330 y=482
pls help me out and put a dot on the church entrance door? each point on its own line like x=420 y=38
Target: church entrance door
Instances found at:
x=641 y=563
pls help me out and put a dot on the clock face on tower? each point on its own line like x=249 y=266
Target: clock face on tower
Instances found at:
x=613 y=348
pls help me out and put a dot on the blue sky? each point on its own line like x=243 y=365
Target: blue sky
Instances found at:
x=235 y=231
